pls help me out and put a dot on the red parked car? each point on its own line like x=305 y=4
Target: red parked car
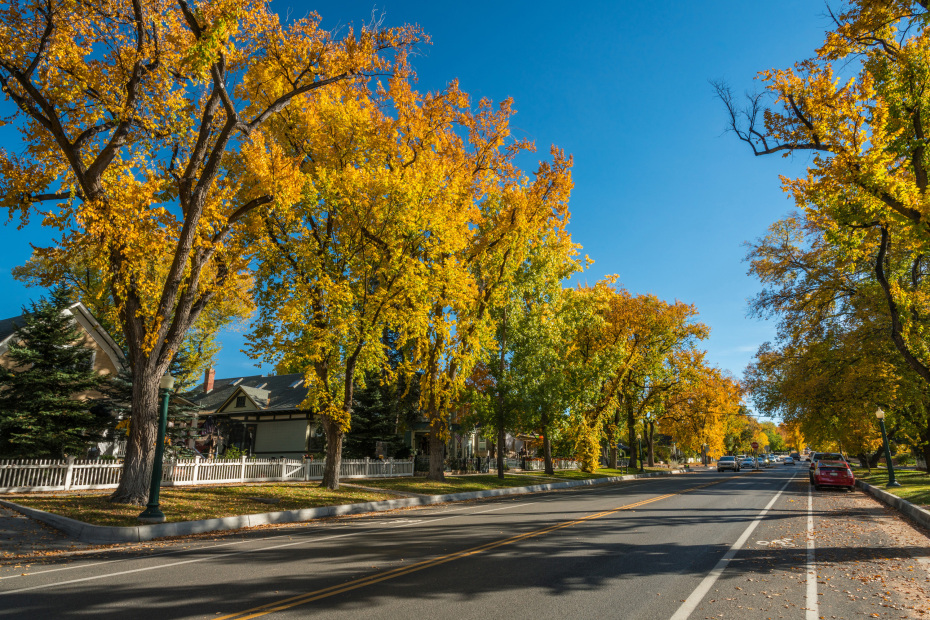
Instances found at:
x=833 y=473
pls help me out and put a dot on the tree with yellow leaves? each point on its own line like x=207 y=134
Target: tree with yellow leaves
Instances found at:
x=660 y=338
x=144 y=122
x=701 y=412
x=860 y=106
x=348 y=262
x=492 y=217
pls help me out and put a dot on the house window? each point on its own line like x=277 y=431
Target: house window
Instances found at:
x=240 y=401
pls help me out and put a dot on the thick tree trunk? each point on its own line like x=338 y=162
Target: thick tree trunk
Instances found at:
x=334 y=437
x=631 y=431
x=136 y=478
x=502 y=443
x=614 y=450
x=547 y=453
x=436 y=456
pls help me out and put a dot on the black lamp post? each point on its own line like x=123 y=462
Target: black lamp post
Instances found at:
x=152 y=513
x=881 y=421
x=639 y=438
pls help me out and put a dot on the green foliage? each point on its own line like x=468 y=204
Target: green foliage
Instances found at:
x=232 y=452
x=117 y=402
x=40 y=414
x=381 y=407
x=776 y=441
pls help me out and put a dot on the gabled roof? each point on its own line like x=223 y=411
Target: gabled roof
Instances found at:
x=270 y=393
x=85 y=319
x=8 y=326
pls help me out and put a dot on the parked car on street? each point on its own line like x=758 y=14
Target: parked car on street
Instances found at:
x=833 y=473
x=823 y=456
x=727 y=462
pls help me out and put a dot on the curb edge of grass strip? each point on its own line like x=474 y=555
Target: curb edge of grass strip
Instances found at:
x=103 y=534
x=918 y=514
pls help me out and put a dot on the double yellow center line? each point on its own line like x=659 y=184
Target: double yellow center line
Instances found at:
x=316 y=595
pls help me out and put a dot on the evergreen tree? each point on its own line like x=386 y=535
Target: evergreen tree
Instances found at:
x=387 y=404
x=117 y=402
x=379 y=410
x=40 y=416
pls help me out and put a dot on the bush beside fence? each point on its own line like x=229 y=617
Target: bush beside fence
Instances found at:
x=26 y=476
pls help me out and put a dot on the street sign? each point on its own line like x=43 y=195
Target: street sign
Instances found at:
x=755 y=445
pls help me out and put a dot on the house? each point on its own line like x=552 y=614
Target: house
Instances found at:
x=106 y=356
x=260 y=415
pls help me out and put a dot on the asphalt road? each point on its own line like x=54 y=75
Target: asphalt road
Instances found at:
x=707 y=545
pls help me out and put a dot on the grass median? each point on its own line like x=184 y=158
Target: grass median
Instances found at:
x=915 y=485
x=196 y=503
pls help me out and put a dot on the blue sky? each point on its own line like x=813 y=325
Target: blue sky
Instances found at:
x=663 y=197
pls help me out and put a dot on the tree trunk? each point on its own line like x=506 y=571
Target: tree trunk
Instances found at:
x=631 y=431
x=651 y=443
x=614 y=450
x=436 y=460
x=334 y=432
x=547 y=454
x=334 y=437
x=501 y=436
x=136 y=478
x=502 y=443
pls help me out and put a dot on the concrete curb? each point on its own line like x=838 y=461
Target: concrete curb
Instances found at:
x=916 y=513
x=101 y=534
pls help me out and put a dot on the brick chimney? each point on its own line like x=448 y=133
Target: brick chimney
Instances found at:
x=208 y=376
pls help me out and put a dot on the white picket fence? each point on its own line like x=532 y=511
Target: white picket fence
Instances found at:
x=25 y=476
x=534 y=465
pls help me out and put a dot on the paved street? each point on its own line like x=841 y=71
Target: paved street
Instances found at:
x=705 y=545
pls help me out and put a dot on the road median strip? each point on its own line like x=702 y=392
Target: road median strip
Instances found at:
x=101 y=534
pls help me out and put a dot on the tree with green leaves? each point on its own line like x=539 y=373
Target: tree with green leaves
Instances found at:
x=42 y=414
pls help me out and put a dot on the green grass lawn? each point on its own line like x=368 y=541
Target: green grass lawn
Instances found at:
x=484 y=482
x=454 y=484
x=194 y=503
x=915 y=485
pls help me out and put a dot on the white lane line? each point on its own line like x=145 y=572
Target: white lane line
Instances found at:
x=813 y=606
x=226 y=555
x=707 y=583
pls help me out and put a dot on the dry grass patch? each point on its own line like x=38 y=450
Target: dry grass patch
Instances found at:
x=195 y=503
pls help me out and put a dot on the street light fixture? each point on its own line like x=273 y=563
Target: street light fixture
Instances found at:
x=881 y=421
x=152 y=513
x=639 y=438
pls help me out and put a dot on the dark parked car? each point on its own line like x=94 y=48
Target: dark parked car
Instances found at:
x=727 y=462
